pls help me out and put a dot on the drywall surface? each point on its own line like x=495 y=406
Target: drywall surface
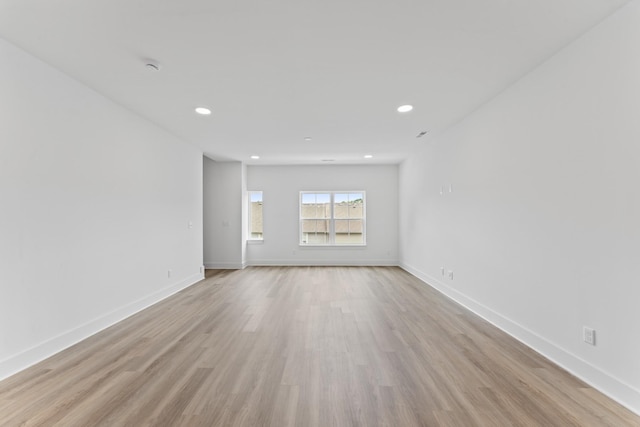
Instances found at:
x=96 y=206
x=541 y=227
x=245 y=216
x=223 y=214
x=281 y=186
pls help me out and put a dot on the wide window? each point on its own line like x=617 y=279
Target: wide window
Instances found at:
x=332 y=218
x=255 y=215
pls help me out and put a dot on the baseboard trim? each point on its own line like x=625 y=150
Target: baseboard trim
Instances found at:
x=322 y=262
x=224 y=265
x=46 y=349
x=607 y=384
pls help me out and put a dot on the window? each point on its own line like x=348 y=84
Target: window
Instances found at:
x=255 y=215
x=332 y=218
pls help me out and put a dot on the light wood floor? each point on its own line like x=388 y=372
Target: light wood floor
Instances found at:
x=308 y=346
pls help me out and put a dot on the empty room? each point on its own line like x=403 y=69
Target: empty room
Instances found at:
x=319 y=213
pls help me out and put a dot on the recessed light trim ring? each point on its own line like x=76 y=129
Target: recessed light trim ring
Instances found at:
x=203 y=111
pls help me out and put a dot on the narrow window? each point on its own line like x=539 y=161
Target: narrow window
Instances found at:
x=255 y=215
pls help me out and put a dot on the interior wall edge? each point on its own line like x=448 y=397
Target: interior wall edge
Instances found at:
x=607 y=384
x=27 y=358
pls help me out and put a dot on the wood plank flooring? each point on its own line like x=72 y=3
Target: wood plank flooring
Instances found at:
x=303 y=346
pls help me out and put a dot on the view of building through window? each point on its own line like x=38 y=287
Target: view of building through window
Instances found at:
x=255 y=215
x=332 y=218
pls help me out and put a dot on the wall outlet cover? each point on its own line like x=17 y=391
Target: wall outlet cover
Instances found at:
x=589 y=335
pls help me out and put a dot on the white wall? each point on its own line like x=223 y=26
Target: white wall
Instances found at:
x=244 y=231
x=95 y=205
x=281 y=186
x=223 y=214
x=542 y=228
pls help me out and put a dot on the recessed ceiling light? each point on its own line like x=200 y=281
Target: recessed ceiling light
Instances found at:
x=328 y=160
x=255 y=157
x=405 y=108
x=368 y=156
x=307 y=138
x=204 y=111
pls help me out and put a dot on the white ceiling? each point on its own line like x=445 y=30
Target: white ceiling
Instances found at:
x=275 y=72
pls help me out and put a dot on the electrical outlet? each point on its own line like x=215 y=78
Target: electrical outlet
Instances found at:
x=450 y=275
x=589 y=335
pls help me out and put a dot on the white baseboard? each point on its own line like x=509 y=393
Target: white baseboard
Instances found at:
x=39 y=352
x=613 y=387
x=224 y=265
x=323 y=262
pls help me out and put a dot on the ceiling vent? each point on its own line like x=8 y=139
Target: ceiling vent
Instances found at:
x=152 y=65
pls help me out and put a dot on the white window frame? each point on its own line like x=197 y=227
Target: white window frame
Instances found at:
x=332 y=219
